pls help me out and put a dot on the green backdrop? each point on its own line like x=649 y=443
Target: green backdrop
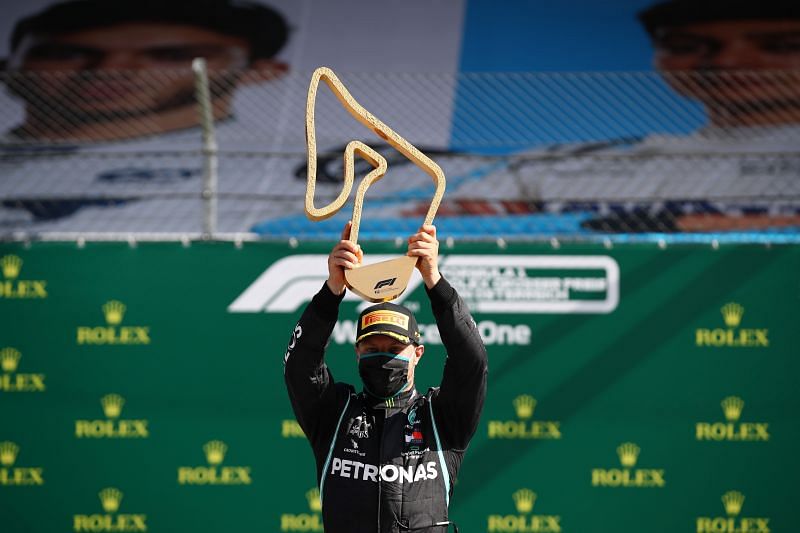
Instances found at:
x=630 y=389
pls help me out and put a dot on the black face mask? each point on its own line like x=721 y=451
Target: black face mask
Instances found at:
x=385 y=375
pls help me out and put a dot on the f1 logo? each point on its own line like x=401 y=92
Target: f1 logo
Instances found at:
x=384 y=283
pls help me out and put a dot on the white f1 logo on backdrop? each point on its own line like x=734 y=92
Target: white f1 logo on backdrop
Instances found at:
x=489 y=283
x=292 y=281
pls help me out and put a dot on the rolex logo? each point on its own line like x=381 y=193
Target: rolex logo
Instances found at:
x=628 y=475
x=111 y=521
x=112 y=405
x=214 y=473
x=305 y=521
x=314 y=503
x=114 y=311
x=732 y=407
x=524 y=521
x=110 y=498
x=732 y=336
x=732 y=314
x=8 y=453
x=11 y=265
x=732 y=429
x=13 y=288
x=523 y=427
x=112 y=426
x=9 y=359
x=113 y=333
x=524 y=500
x=524 y=404
x=215 y=451
x=16 y=476
x=628 y=454
x=733 y=501
x=10 y=381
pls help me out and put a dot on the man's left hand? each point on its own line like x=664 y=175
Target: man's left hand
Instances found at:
x=425 y=247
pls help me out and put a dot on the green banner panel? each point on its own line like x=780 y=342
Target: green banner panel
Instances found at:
x=630 y=389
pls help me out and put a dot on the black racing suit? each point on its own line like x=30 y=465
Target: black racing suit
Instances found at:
x=387 y=465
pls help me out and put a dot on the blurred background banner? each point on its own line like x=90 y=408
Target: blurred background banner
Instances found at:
x=631 y=388
x=576 y=120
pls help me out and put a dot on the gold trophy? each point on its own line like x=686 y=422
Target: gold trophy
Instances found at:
x=386 y=280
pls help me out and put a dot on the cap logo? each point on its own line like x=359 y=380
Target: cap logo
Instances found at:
x=384 y=317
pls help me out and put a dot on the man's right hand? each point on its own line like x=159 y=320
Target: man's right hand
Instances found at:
x=344 y=256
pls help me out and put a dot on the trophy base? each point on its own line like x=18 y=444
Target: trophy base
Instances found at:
x=381 y=282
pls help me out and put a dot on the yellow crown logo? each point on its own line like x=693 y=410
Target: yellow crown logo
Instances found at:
x=732 y=407
x=733 y=501
x=8 y=453
x=114 y=311
x=524 y=500
x=112 y=405
x=11 y=265
x=524 y=405
x=110 y=498
x=215 y=451
x=628 y=454
x=9 y=359
x=314 y=503
x=732 y=314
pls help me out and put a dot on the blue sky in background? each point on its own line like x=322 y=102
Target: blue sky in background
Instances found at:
x=514 y=111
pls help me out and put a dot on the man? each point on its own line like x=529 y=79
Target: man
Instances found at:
x=737 y=37
x=109 y=92
x=741 y=60
x=740 y=172
x=97 y=70
x=387 y=457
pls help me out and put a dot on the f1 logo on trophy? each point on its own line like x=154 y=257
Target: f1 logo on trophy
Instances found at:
x=378 y=282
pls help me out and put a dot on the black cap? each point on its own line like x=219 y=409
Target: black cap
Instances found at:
x=681 y=12
x=264 y=28
x=389 y=319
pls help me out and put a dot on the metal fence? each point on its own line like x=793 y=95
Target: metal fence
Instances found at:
x=620 y=156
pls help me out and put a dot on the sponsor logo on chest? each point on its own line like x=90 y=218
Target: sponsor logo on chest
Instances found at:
x=389 y=473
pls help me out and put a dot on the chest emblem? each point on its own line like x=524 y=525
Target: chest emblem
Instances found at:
x=359 y=426
x=414 y=439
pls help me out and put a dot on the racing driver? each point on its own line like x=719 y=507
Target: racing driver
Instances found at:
x=388 y=456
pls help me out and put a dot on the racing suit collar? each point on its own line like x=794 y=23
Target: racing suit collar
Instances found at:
x=398 y=402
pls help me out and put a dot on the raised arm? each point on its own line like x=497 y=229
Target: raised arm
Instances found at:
x=459 y=402
x=309 y=382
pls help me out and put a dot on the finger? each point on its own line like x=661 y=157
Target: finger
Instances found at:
x=425 y=237
x=429 y=229
x=346 y=230
x=422 y=244
x=347 y=256
x=347 y=265
x=429 y=243
x=349 y=246
x=421 y=252
x=345 y=262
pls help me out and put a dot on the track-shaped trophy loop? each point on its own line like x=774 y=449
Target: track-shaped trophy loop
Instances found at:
x=356 y=147
x=388 y=279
